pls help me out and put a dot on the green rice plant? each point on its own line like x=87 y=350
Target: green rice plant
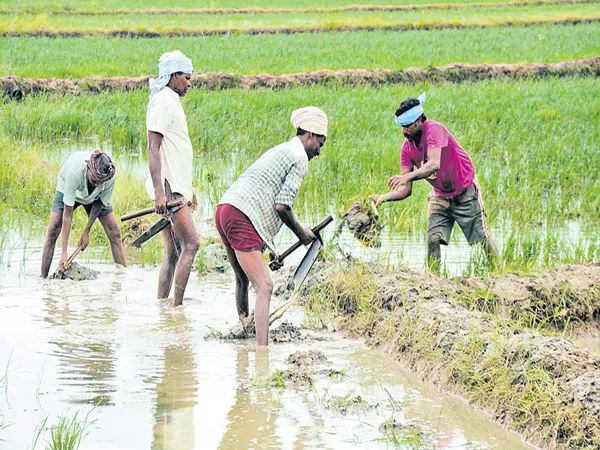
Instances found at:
x=67 y=434
x=151 y=25
x=243 y=54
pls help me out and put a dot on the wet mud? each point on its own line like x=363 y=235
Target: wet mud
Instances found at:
x=352 y=8
x=75 y=272
x=534 y=382
x=363 y=221
x=150 y=33
x=16 y=88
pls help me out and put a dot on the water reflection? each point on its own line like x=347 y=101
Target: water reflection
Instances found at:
x=251 y=420
x=175 y=393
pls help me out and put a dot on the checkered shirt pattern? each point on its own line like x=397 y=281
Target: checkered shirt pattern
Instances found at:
x=274 y=178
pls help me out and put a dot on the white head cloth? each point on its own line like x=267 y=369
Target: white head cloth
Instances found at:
x=310 y=118
x=170 y=63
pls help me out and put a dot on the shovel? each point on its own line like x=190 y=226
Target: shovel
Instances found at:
x=157 y=227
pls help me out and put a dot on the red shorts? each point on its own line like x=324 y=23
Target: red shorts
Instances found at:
x=236 y=230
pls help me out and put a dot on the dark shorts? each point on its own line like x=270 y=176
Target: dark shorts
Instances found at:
x=58 y=206
x=236 y=230
x=466 y=209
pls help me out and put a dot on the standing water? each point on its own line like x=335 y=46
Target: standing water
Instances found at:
x=144 y=376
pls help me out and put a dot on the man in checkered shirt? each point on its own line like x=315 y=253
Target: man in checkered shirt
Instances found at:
x=253 y=209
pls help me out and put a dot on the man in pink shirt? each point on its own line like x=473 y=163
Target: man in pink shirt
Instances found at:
x=431 y=153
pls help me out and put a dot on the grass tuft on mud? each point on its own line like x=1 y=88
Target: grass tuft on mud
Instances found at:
x=537 y=383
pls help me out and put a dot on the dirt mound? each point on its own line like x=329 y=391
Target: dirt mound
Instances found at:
x=556 y=298
x=540 y=385
x=344 y=405
x=16 y=88
x=307 y=358
x=75 y=272
x=297 y=377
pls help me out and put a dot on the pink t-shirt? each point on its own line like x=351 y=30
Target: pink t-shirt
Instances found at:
x=456 y=171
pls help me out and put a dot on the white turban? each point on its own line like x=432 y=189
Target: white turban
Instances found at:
x=168 y=64
x=310 y=119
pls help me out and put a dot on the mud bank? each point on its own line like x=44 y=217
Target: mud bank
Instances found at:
x=538 y=384
x=17 y=88
x=153 y=32
x=352 y=8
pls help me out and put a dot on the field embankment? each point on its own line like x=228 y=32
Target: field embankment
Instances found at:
x=314 y=10
x=533 y=381
x=18 y=88
x=150 y=25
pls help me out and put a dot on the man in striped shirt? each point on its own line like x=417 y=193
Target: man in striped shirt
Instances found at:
x=255 y=207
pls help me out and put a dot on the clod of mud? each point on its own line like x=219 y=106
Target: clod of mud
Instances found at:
x=362 y=220
x=307 y=358
x=286 y=332
x=297 y=377
x=76 y=272
x=344 y=405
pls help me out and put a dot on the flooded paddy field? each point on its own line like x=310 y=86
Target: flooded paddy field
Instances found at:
x=108 y=350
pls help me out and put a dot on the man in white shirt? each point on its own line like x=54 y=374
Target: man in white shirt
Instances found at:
x=254 y=208
x=89 y=180
x=170 y=157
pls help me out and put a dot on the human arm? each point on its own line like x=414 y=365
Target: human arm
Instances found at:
x=67 y=218
x=400 y=193
x=286 y=215
x=94 y=213
x=160 y=199
x=430 y=167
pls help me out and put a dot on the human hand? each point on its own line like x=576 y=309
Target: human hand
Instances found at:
x=63 y=262
x=307 y=236
x=274 y=262
x=397 y=181
x=160 y=204
x=84 y=240
x=379 y=199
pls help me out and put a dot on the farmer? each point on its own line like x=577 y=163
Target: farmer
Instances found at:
x=431 y=153
x=170 y=157
x=89 y=180
x=253 y=209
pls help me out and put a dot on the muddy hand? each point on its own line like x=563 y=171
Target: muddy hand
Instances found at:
x=274 y=262
x=160 y=204
x=397 y=181
x=378 y=200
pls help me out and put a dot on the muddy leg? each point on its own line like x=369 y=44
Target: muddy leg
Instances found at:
x=185 y=231
x=52 y=234
x=167 y=268
x=256 y=270
x=113 y=231
x=241 y=284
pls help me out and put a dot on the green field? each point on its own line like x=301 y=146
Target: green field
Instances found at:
x=525 y=142
x=192 y=23
x=83 y=57
x=66 y=5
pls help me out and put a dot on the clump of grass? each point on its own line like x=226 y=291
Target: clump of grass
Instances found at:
x=67 y=434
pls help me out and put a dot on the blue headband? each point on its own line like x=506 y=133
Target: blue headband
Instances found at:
x=410 y=116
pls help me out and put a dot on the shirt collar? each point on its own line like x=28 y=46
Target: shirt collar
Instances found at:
x=297 y=148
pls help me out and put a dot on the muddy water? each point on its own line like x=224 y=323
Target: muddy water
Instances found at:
x=157 y=383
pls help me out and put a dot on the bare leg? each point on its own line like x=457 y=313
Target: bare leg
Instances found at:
x=50 y=242
x=241 y=284
x=113 y=231
x=256 y=270
x=185 y=231
x=167 y=268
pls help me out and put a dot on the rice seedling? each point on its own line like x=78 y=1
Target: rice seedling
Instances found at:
x=243 y=54
x=67 y=434
x=150 y=25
